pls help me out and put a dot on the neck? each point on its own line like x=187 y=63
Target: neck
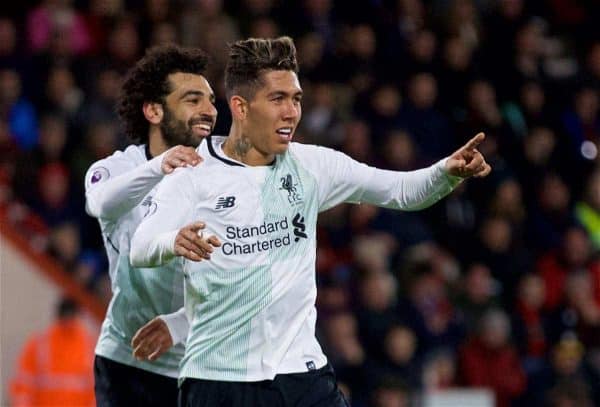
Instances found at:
x=239 y=147
x=156 y=142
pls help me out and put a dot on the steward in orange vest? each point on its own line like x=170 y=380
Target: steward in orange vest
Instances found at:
x=55 y=367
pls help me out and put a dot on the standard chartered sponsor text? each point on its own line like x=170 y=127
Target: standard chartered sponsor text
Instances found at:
x=260 y=245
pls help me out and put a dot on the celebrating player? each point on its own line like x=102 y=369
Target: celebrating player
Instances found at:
x=167 y=107
x=252 y=306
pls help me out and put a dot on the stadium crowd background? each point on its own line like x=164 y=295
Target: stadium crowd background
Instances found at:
x=496 y=286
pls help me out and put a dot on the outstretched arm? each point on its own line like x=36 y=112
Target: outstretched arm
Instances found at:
x=109 y=197
x=351 y=181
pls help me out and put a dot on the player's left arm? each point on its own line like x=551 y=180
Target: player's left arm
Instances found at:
x=351 y=181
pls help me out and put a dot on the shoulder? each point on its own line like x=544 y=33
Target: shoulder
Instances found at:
x=313 y=155
x=115 y=164
x=182 y=181
x=132 y=156
x=301 y=149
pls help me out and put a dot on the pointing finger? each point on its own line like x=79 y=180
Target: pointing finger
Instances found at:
x=474 y=142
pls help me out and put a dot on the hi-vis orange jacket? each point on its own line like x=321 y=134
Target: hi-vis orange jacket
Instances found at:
x=56 y=368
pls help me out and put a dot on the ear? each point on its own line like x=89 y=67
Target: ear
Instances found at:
x=153 y=112
x=238 y=106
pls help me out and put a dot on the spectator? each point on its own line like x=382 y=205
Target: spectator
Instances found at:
x=18 y=112
x=490 y=360
x=580 y=313
x=391 y=392
x=55 y=366
x=57 y=18
x=419 y=115
x=554 y=267
x=478 y=295
x=400 y=360
x=588 y=210
x=530 y=321
x=431 y=314
x=439 y=371
x=500 y=251
x=376 y=311
x=345 y=350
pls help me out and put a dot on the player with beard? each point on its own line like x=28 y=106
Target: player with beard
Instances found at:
x=167 y=107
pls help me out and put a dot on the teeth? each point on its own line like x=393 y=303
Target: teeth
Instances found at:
x=284 y=131
x=203 y=126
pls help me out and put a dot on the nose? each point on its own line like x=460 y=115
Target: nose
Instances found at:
x=209 y=109
x=292 y=110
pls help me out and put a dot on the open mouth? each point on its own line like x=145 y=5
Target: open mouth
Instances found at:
x=203 y=129
x=285 y=133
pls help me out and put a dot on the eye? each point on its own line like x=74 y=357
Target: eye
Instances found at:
x=277 y=99
x=193 y=101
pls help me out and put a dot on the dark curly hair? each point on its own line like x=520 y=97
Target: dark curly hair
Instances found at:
x=248 y=59
x=147 y=82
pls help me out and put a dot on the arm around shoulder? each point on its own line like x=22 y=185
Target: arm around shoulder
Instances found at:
x=113 y=186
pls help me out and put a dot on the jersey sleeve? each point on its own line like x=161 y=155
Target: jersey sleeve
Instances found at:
x=114 y=186
x=178 y=325
x=153 y=243
x=342 y=179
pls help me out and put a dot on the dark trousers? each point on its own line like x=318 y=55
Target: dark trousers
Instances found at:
x=316 y=388
x=119 y=385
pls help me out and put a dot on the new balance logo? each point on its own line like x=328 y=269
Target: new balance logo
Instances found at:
x=225 y=202
x=299 y=227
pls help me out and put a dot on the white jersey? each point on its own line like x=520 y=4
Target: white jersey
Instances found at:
x=119 y=192
x=252 y=306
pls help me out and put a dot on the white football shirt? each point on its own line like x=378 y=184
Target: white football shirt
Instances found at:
x=252 y=306
x=119 y=193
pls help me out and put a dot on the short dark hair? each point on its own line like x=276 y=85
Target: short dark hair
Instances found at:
x=248 y=59
x=148 y=81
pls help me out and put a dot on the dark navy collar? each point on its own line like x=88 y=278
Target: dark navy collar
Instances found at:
x=147 y=151
x=211 y=150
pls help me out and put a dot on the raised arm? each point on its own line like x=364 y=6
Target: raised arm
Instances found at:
x=109 y=196
x=350 y=181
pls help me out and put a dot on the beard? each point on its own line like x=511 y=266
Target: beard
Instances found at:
x=177 y=132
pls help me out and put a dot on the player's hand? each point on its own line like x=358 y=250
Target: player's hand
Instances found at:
x=179 y=156
x=151 y=340
x=192 y=245
x=467 y=161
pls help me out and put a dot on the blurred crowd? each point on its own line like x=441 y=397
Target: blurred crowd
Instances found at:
x=496 y=286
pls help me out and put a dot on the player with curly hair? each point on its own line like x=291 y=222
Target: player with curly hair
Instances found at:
x=167 y=108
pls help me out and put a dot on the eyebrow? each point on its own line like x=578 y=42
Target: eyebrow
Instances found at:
x=197 y=93
x=284 y=93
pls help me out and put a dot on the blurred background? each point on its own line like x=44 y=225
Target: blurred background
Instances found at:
x=496 y=287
